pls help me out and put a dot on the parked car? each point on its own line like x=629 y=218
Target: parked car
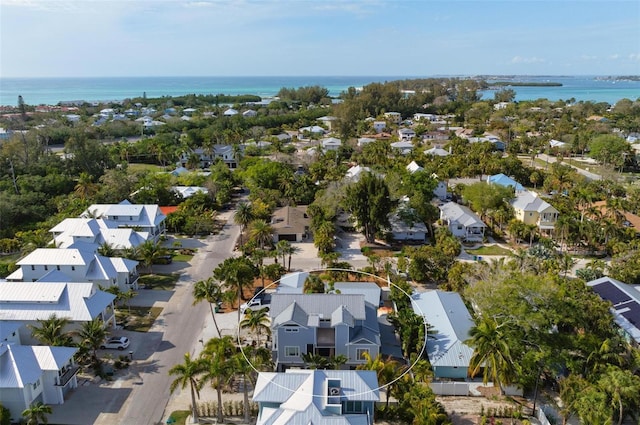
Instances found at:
x=164 y=259
x=116 y=343
x=256 y=303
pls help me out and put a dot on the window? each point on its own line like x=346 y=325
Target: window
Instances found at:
x=57 y=267
x=360 y=353
x=33 y=267
x=292 y=351
x=353 y=407
x=291 y=329
x=73 y=268
x=36 y=384
x=46 y=267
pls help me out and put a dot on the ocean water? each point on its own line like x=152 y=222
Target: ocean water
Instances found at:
x=50 y=91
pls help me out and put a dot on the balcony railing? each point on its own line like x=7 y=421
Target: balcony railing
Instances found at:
x=67 y=375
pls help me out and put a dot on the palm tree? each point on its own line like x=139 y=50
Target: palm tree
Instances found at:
x=491 y=353
x=37 y=413
x=236 y=273
x=188 y=373
x=85 y=188
x=51 y=331
x=261 y=233
x=622 y=388
x=243 y=368
x=242 y=217
x=219 y=370
x=92 y=334
x=315 y=361
x=208 y=290
x=106 y=250
x=313 y=285
x=150 y=252
x=256 y=321
x=127 y=296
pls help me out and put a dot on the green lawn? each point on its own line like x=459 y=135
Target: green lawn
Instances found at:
x=182 y=257
x=138 y=319
x=146 y=167
x=179 y=417
x=489 y=250
x=165 y=282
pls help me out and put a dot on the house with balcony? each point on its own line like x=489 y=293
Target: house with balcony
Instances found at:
x=462 y=222
x=143 y=218
x=327 y=325
x=394 y=117
x=331 y=144
x=318 y=397
x=76 y=232
x=77 y=265
x=529 y=208
x=224 y=153
x=31 y=374
x=24 y=303
x=379 y=126
x=406 y=134
x=448 y=353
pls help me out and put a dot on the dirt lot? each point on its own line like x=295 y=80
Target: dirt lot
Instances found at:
x=466 y=410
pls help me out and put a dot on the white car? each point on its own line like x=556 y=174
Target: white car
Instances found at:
x=116 y=343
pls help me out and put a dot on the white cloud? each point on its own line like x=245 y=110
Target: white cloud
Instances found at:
x=532 y=59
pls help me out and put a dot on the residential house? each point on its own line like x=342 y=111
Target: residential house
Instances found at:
x=91 y=231
x=77 y=265
x=318 y=397
x=435 y=136
x=25 y=303
x=144 y=218
x=445 y=312
x=506 y=181
x=371 y=291
x=440 y=191
x=31 y=374
x=249 y=113
x=328 y=122
x=362 y=141
x=403 y=147
x=413 y=167
x=406 y=227
x=331 y=144
x=501 y=105
x=394 y=117
x=424 y=117
x=230 y=112
x=189 y=191
x=437 y=151
x=406 y=134
x=625 y=305
x=379 y=126
x=292 y=283
x=290 y=224
x=529 y=208
x=557 y=144
x=226 y=153
x=354 y=173
x=313 y=130
x=629 y=219
x=462 y=222
x=327 y=325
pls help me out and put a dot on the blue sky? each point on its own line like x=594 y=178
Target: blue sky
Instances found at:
x=95 y=38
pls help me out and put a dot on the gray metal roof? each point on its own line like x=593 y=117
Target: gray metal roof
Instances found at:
x=370 y=290
x=319 y=304
x=448 y=315
x=460 y=214
x=21 y=365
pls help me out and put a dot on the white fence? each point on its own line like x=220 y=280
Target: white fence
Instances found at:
x=467 y=388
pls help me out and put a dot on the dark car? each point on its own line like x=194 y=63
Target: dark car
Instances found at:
x=164 y=259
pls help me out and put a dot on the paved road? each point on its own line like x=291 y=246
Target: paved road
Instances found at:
x=139 y=395
x=551 y=159
x=182 y=325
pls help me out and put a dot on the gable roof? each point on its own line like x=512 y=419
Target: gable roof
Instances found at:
x=31 y=301
x=370 y=290
x=448 y=315
x=530 y=201
x=461 y=214
x=414 y=167
x=321 y=305
x=504 y=180
x=301 y=396
x=292 y=283
x=21 y=365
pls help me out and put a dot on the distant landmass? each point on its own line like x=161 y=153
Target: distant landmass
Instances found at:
x=525 y=84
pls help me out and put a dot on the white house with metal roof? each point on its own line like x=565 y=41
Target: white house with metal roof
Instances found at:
x=462 y=222
x=145 y=218
x=448 y=353
x=27 y=302
x=331 y=144
x=327 y=325
x=292 y=283
x=318 y=397
x=71 y=231
x=77 y=265
x=31 y=374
